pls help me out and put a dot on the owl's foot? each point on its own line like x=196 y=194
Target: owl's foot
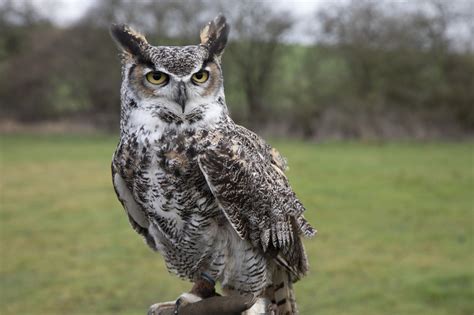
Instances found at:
x=162 y=308
x=185 y=299
x=172 y=307
x=203 y=288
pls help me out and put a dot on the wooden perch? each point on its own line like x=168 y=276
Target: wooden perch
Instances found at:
x=216 y=305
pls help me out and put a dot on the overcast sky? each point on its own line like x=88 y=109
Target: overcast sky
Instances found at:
x=66 y=11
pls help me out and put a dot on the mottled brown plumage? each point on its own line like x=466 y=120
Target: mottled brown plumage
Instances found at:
x=208 y=194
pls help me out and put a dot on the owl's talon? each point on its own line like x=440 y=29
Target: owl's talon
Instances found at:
x=172 y=307
x=161 y=308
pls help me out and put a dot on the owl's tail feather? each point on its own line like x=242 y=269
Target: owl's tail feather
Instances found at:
x=281 y=293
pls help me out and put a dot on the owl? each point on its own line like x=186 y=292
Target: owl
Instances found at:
x=207 y=194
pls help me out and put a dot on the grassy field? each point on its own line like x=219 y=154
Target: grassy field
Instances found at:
x=395 y=228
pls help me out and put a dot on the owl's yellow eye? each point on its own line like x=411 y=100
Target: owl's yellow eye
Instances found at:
x=157 y=77
x=200 y=77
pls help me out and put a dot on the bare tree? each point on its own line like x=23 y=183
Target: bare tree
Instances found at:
x=258 y=30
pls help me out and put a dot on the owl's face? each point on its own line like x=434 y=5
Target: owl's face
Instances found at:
x=177 y=78
x=172 y=84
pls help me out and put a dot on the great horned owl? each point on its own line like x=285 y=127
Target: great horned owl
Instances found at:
x=209 y=195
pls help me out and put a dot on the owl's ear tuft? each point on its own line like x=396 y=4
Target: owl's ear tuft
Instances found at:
x=128 y=39
x=214 y=35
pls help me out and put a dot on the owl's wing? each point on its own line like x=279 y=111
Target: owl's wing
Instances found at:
x=246 y=177
x=135 y=214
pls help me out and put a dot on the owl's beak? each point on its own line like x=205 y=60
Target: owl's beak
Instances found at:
x=181 y=96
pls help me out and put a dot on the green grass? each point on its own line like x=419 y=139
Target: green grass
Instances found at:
x=395 y=228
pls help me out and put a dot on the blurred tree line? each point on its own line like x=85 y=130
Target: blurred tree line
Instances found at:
x=370 y=69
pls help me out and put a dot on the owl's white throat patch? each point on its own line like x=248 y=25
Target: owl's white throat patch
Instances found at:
x=152 y=118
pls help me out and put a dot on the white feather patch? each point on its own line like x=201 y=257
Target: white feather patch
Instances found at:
x=130 y=204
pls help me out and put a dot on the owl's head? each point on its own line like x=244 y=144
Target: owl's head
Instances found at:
x=174 y=84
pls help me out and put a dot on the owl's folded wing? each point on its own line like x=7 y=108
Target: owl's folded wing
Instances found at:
x=135 y=215
x=255 y=196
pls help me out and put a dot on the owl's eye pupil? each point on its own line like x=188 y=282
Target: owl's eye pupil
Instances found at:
x=156 y=76
x=199 y=75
